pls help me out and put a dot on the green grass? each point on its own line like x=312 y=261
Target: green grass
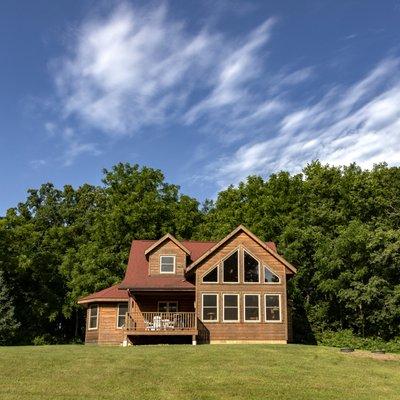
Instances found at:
x=194 y=372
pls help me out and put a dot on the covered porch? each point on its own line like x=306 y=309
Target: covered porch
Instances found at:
x=161 y=314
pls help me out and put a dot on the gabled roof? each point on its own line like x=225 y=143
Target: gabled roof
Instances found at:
x=137 y=274
x=112 y=293
x=266 y=246
x=163 y=239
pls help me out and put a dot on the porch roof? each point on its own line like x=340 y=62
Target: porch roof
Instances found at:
x=110 y=294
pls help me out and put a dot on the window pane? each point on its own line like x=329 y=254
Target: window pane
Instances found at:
x=251 y=268
x=212 y=276
x=230 y=300
x=251 y=314
x=121 y=321
x=123 y=309
x=230 y=314
x=231 y=268
x=251 y=300
x=167 y=263
x=210 y=300
x=93 y=317
x=173 y=306
x=210 y=313
x=270 y=276
x=272 y=309
x=93 y=311
x=167 y=259
x=272 y=301
x=272 y=314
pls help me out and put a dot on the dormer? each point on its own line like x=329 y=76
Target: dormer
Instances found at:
x=167 y=257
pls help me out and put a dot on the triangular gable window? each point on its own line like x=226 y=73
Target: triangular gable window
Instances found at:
x=270 y=277
x=211 y=276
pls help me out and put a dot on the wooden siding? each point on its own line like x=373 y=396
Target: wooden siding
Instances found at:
x=242 y=331
x=167 y=248
x=107 y=332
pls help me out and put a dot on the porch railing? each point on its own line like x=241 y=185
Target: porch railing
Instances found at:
x=160 y=321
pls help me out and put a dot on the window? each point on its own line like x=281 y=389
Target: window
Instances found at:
x=251 y=269
x=269 y=276
x=93 y=316
x=167 y=306
x=231 y=307
x=210 y=307
x=252 y=307
x=231 y=268
x=122 y=310
x=273 y=307
x=212 y=276
x=167 y=264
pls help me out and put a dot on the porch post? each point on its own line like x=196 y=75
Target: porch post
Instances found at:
x=194 y=340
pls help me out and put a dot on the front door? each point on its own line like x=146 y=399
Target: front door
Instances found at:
x=167 y=306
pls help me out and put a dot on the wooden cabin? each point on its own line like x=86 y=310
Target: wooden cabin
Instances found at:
x=231 y=291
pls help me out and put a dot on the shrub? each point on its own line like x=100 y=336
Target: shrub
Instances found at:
x=346 y=338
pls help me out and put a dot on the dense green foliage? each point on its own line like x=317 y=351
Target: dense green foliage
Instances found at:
x=339 y=226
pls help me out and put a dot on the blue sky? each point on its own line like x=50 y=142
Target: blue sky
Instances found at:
x=209 y=92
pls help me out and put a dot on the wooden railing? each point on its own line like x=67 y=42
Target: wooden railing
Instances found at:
x=160 y=321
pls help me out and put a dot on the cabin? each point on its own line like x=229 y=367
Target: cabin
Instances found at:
x=231 y=291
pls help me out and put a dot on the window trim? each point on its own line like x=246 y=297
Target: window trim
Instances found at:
x=97 y=317
x=270 y=321
x=207 y=272
x=202 y=307
x=222 y=264
x=118 y=314
x=167 y=301
x=244 y=308
x=168 y=255
x=229 y=321
x=270 y=270
x=259 y=268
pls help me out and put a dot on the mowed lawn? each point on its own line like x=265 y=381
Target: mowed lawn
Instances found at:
x=194 y=372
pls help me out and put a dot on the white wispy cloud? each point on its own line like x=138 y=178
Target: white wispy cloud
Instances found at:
x=136 y=68
x=360 y=123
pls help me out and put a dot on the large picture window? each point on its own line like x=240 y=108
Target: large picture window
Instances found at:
x=251 y=269
x=93 y=316
x=167 y=264
x=122 y=310
x=210 y=307
x=231 y=268
x=273 y=308
x=212 y=276
x=231 y=307
x=252 y=307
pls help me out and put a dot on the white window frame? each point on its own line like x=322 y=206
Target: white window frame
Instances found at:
x=97 y=317
x=167 y=255
x=272 y=271
x=223 y=308
x=259 y=268
x=168 y=303
x=244 y=308
x=207 y=272
x=202 y=307
x=222 y=267
x=118 y=314
x=270 y=321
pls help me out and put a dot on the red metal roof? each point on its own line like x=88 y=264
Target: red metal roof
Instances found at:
x=112 y=293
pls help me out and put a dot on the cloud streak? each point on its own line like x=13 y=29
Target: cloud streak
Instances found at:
x=359 y=124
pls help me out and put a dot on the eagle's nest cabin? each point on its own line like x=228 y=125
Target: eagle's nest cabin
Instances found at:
x=233 y=291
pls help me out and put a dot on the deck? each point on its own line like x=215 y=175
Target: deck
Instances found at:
x=161 y=323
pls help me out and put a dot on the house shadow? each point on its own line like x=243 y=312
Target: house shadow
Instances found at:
x=203 y=336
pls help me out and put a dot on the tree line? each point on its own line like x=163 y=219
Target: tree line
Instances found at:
x=340 y=226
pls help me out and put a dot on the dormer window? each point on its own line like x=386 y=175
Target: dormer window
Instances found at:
x=167 y=264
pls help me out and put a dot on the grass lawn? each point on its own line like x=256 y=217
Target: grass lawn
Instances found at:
x=194 y=372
